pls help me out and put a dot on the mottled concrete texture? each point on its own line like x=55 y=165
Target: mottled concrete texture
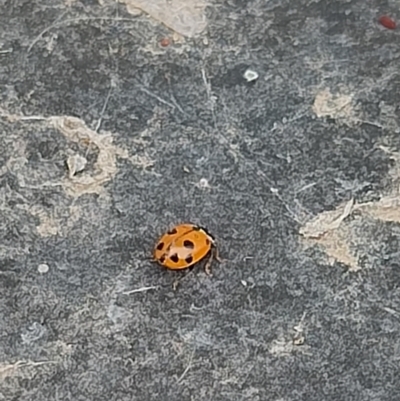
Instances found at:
x=108 y=138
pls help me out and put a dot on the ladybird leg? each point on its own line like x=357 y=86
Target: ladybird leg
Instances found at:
x=216 y=256
x=175 y=284
x=207 y=267
x=177 y=281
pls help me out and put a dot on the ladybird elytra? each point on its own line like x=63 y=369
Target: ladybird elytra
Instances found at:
x=183 y=246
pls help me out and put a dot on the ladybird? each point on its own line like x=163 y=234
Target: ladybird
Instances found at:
x=185 y=245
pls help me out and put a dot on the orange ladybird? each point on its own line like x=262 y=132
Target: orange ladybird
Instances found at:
x=185 y=245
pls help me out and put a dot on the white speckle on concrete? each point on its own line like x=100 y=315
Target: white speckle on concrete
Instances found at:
x=250 y=75
x=43 y=268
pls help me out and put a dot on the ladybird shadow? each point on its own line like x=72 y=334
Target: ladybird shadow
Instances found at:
x=177 y=276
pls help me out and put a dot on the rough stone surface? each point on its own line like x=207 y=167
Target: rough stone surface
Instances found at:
x=108 y=138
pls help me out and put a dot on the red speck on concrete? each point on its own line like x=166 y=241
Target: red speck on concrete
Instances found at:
x=387 y=22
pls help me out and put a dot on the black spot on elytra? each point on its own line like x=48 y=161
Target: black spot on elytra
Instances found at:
x=160 y=246
x=207 y=241
x=174 y=258
x=162 y=259
x=172 y=232
x=188 y=244
x=189 y=259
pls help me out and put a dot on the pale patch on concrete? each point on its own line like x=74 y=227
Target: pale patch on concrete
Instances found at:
x=326 y=229
x=185 y=17
x=69 y=3
x=330 y=230
x=338 y=106
x=12 y=369
x=48 y=226
x=336 y=244
x=281 y=347
x=76 y=130
x=51 y=223
x=327 y=221
x=386 y=209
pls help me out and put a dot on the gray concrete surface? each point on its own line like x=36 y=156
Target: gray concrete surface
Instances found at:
x=108 y=139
